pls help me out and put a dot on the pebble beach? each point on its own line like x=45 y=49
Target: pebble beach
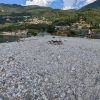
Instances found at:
x=34 y=69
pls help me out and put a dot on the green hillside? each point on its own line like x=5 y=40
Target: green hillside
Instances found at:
x=14 y=17
x=52 y=14
x=9 y=9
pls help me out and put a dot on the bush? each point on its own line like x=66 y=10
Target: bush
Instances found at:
x=73 y=33
x=96 y=30
x=32 y=32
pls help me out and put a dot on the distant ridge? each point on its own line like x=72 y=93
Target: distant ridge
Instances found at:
x=34 y=10
x=95 y=5
x=4 y=4
x=9 y=9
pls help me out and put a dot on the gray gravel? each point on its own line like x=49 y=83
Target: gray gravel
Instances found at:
x=33 y=69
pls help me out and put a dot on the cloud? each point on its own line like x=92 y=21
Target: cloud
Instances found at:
x=90 y=1
x=39 y=2
x=71 y=4
x=67 y=4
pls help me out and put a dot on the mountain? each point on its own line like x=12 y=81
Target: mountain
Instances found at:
x=95 y=5
x=16 y=12
x=37 y=11
x=8 y=9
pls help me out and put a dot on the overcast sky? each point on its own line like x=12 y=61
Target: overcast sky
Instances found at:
x=63 y=4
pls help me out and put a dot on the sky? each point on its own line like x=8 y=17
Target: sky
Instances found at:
x=61 y=4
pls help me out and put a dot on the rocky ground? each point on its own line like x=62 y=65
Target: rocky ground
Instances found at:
x=33 y=69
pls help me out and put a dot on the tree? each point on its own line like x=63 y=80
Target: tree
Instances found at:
x=51 y=29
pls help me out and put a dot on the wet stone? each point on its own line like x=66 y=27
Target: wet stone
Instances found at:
x=28 y=97
x=3 y=97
